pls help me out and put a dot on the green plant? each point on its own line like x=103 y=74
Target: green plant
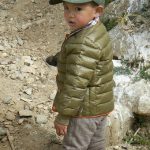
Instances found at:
x=110 y=23
x=144 y=74
x=137 y=138
x=122 y=70
x=139 y=135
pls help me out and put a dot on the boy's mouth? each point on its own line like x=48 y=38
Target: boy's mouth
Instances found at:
x=71 y=23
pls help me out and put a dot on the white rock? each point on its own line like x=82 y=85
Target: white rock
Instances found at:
x=41 y=119
x=28 y=126
x=2 y=48
x=53 y=94
x=33 y=1
x=28 y=91
x=12 y=67
x=27 y=60
x=26 y=26
x=116 y=148
x=117 y=63
x=5 y=62
x=25 y=113
x=17 y=75
x=28 y=69
x=130 y=46
x=30 y=80
x=4 y=55
x=20 y=121
x=20 y=41
x=144 y=105
x=7 y=100
x=133 y=92
x=119 y=122
x=25 y=99
x=122 y=80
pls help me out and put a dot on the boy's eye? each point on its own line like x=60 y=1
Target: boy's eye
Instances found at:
x=65 y=8
x=78 y=8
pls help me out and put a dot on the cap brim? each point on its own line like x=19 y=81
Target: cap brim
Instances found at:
x=53 y=2
x=77 y=1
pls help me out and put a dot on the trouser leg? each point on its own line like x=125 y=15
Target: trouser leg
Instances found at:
x=80 y=132
x=98 y=141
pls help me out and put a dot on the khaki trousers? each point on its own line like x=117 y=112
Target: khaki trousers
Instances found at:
x=85 y=134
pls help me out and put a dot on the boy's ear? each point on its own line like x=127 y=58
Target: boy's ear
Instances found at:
x=99 y=10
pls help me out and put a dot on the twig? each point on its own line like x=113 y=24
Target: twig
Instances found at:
x=10 y=140
x=134 y=135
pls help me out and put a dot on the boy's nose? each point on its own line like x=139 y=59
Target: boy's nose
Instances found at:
x=71 y=14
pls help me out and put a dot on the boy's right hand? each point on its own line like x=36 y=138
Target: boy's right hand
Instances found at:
x=60 y=129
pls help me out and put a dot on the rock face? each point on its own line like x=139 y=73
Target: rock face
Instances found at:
x=144 y=105
x=119 y=7
x=130 y=41
x=131 y=46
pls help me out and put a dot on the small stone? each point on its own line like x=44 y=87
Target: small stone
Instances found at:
x=25 y=113
x=28 y=69
x=39 y=14
x=2 y=48
x=10 y=116
x=7 y=100
x=41 y=119
x=20 y=41
x=20 y=121
x=4 y=139
x=27 y=60
x=28 y=126
x=5 y=62
x=25 y=99
x=52 y=96
x=33 y=1
x=115 y=147
x=12 y=67
x=26 y=26
x=17 y=75
x=4 y=55
x=117 y=63
x=28 y=91
x=13 y=76
x=10 y=127
x=124 y=147
x=7 y=123
x=2 y=131
x=30 y=80
x=2 y=119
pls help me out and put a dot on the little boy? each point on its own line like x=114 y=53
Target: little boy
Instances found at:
x=85 y=77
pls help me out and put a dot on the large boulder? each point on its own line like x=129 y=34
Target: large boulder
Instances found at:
x=131 y=46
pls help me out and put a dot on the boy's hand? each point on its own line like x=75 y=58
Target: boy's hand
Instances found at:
x=60 y=129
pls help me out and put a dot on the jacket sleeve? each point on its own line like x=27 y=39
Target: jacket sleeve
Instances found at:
x=80 y=65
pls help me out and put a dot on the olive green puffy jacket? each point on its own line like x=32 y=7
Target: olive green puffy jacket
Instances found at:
x=85 y=75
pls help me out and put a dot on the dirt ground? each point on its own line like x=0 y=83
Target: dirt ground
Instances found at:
x=30 y=28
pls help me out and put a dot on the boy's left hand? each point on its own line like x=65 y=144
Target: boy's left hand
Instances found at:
x=60 y=129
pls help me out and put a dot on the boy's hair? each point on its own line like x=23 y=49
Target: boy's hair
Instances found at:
x=98 y=2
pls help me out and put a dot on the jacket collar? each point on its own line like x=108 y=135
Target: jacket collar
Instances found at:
x=90 y=24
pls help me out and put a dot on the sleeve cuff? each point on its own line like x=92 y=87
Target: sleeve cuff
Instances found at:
x=61 y=119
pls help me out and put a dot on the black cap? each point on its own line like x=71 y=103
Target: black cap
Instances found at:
x=53 y=2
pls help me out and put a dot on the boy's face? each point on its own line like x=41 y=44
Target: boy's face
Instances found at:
x=79 y=15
